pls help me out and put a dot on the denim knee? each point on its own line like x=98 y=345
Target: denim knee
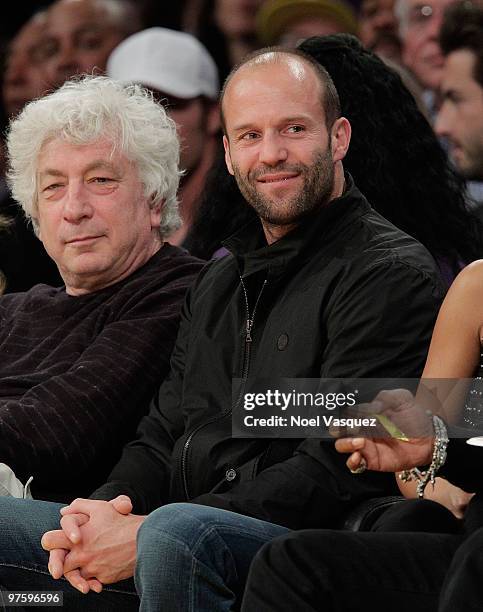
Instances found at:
x=182 y=522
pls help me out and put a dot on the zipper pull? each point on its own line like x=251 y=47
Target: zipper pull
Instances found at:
x=248 y=337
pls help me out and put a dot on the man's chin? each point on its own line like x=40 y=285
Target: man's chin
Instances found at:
x=284 y=220
x=86 y=264
x=471 y=172
x=430 y=77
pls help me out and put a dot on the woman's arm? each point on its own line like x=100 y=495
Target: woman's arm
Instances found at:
x=453 y=354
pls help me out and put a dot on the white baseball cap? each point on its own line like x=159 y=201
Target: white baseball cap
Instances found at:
x=174 y=63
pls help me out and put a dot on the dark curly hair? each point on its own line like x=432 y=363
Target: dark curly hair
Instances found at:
x=394 y=157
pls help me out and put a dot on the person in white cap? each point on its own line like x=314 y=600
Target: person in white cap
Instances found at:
x=180 y=72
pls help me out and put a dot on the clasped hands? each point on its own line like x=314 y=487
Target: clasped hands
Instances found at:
x=96 y=544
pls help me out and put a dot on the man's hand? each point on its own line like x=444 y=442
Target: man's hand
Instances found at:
x=96 y=545
x=386 y=453
x=71 y=521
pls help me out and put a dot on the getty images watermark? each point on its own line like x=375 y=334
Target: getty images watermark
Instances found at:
x=324 y=408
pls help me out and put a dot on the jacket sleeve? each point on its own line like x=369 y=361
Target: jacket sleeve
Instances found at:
x=379 y=325
x=144 y=469
x=62 y=426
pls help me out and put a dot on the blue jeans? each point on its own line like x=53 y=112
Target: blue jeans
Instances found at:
x=23 y=562
x=196 y=558
x=189 y=558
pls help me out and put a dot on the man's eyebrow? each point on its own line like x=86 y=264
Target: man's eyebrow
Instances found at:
x=284 y=120
x=244 y=126
x=89 y=28
x=50 y=172
x=100 y=164
x=95 y=165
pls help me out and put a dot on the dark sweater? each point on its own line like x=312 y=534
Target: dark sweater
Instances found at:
x=77 y=373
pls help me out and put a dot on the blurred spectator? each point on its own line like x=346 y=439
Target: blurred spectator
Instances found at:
x=419 y=29
x=460 y=118
x=82 y=33
x=227 y=29
x=378 y=28
x=181 y=73
x=24 y=77
x=288 y=22
x=23 y=259
x=419 y=26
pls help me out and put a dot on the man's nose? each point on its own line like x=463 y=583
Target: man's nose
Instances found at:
x=443 y=121
x=434 y=25
x=63 y=64
x=385 y=20
x=15 y=73
x=77 y=204
x=272 y=150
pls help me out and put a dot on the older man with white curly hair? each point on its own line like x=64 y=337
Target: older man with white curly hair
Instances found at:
x=94 y=165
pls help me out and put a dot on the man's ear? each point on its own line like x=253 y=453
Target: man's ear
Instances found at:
x=155 y=212
x=340 y=136
x=227 y=155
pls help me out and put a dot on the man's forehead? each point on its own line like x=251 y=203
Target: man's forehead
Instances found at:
x=102 y=150
x=286 y=67
x=459 y=66
x=28 y=36
x=434 y=4
x=291 y=64
x=78 y=11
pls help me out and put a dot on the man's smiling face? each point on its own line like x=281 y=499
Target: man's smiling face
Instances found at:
x=277 y=144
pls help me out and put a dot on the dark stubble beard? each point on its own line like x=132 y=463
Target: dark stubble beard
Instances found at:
x=473 y=169
x=318 y=185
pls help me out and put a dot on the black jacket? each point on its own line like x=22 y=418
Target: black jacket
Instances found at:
x=347 y=295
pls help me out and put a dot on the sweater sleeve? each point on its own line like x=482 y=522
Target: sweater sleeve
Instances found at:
x=69 y=423
x=144 y=469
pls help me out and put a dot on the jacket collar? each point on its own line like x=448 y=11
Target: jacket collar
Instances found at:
x=253 y=254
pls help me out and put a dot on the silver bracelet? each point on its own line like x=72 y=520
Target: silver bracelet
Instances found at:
x=437 y=461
